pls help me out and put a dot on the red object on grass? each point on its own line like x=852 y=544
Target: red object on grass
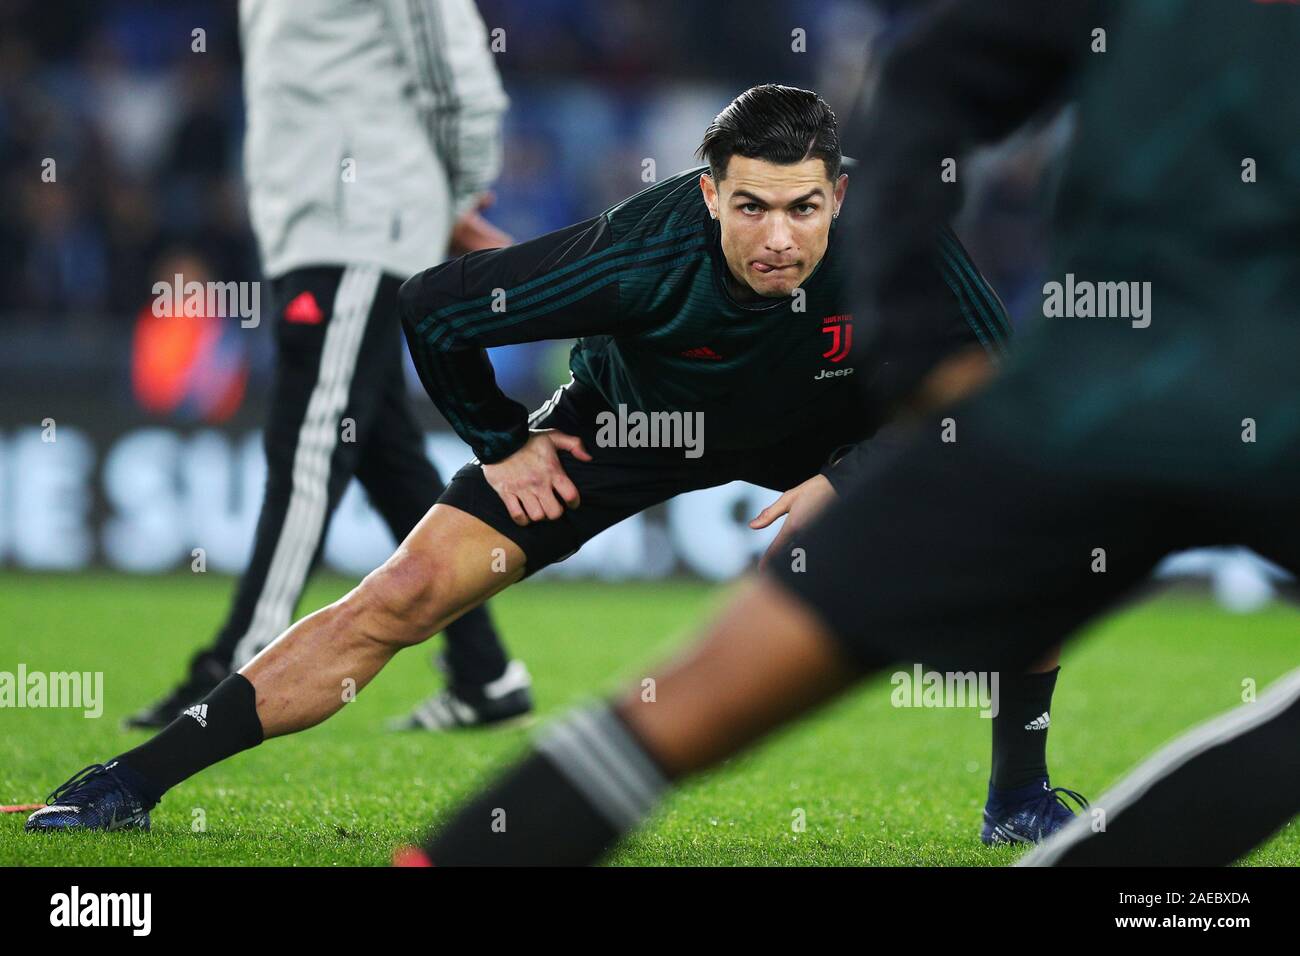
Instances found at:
x=410 y=856
x=21 y=807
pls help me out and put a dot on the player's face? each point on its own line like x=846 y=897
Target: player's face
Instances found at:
x=776 y=220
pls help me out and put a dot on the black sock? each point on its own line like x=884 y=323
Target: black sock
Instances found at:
x=474 y=653
x=589 y=782
x=1020 y=729
x=219 y=726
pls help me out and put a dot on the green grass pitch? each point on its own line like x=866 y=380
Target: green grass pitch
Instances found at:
x=877 y=785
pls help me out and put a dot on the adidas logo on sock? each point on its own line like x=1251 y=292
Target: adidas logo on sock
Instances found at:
x=1041 y=722
x=199 y=712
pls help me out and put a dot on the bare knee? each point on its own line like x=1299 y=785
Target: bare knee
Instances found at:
x=409 y=597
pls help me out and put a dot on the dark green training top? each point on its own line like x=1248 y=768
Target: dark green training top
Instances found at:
x=642 y=287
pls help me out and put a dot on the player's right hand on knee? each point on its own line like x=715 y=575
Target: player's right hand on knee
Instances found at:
x=532 y=482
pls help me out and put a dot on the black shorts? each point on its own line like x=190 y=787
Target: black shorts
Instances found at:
x=620 y=482
x=985 y=553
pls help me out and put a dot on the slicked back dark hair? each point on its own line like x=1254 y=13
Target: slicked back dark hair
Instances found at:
x=780 y=124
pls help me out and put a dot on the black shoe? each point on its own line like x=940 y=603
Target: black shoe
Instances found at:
x=206 y=672
x=508 y=698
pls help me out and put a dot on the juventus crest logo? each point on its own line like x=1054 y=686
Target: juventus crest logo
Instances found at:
x=840 y=329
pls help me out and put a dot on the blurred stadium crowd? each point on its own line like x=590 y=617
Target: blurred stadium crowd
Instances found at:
x=134 y=109
x=145 y=134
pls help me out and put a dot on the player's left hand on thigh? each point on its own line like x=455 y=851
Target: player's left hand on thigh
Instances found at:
x=532 y=483
x=800 y=505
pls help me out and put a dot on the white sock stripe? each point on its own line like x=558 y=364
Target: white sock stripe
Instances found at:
x=569 y=754
x=304 y=520
x=1218 y=730
x=621 y=755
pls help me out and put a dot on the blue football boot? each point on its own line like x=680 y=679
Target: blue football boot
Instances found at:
x=96 y=798
x=1027 y=814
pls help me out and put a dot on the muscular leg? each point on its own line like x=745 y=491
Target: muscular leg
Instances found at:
x=765 y=660
x=789 y=663
x=442 y=570
x=403 y=485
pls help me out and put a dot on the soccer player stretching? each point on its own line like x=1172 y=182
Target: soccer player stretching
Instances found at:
x=718 y=295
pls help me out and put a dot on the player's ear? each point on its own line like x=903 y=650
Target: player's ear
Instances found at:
x=841 y=187
x=710 y=192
